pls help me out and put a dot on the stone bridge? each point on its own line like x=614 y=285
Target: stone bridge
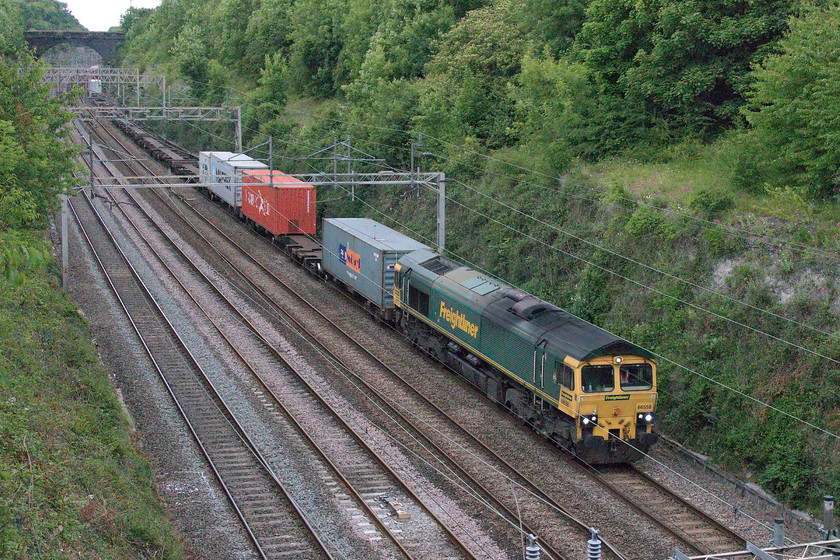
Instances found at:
x=106 y=43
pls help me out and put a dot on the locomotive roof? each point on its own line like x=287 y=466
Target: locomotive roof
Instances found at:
x=564 y=332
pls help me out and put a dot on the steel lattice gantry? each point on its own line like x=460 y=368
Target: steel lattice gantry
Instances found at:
x=81 y=75
x=434 y=181
x=822 y=550
x=138 y=113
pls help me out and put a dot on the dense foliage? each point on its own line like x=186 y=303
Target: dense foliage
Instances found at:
x=46 y=15
x=794 y=110
x=672 y=68
x=523 y=104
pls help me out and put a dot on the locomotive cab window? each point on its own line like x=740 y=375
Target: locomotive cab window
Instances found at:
x=564 y=375
x=597 y=379
x=636 y=377
x=418 y=301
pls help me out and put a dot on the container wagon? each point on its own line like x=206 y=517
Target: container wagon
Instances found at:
x=224 y=174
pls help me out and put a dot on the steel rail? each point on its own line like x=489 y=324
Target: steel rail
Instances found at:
x=312 y=390
x=297 y=424
x=228 y=417
x=674 y=533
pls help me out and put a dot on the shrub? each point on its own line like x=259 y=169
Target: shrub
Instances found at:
x=709 y=204
x=645 y=220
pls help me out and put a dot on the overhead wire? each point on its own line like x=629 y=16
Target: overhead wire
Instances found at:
x=659 y=292
x=758 y=331
x=746 y=232
x=722 y=500
x=551 y=190
x=697 y=219
x=424 y=237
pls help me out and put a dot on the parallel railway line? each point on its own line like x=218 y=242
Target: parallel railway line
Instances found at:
x=453 y=464
x=364 y=478
x=548 y=507
x=272 y=519
x=688 y=523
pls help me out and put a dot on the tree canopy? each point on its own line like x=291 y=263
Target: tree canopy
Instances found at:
x=46 y=15
x=565 y=79
x=794 y=108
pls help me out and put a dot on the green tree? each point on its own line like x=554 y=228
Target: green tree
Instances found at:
x=35 y=163
x=673 y=68
x=549 y=97
x=554 y=23
x=11 y=31
x=794 y=107
x=134 y=17
x=317 y=42
x=406 y=39
x=465 y=92
x=268 y=32
x=47 y=15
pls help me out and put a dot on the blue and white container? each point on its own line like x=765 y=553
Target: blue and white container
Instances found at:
x=362 y=253
x=223 y=172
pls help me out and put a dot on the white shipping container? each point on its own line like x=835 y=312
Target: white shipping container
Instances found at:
x=205 y=164
x=226 y=175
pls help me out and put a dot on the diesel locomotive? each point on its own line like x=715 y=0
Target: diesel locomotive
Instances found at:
x=590 y=391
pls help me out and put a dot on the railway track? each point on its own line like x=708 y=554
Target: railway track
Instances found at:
x=694 y=530
x=365 y=479
x=686 y=522
x=271 y=518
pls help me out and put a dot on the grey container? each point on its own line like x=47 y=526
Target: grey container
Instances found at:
x=226 y=175
x=362 y=253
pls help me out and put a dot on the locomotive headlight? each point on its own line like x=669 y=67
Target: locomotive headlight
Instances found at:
x=584 y=421
x=647 y=418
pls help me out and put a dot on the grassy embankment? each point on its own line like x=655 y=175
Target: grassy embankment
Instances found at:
x=72 y=482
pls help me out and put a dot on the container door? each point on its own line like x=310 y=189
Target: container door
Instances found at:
x=389 y=260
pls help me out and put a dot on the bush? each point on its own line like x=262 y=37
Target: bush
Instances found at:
x=645 y=220
x=709 y=204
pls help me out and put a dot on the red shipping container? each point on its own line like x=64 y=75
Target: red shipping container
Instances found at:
x=283 y=206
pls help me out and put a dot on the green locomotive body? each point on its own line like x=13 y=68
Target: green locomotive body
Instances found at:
x=587 y=389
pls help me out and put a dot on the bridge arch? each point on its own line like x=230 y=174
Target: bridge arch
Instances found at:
x=106 y=43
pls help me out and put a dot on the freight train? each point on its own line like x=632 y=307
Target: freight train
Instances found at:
x=586 y=389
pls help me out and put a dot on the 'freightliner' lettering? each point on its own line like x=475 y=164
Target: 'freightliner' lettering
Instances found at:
x=457 y=320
